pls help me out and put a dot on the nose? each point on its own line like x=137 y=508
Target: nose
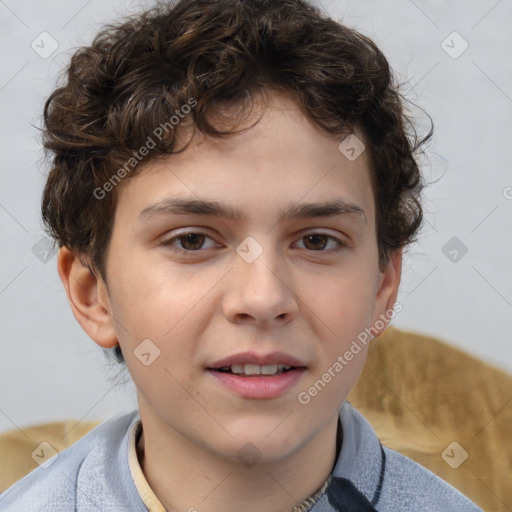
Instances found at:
x=260 y=292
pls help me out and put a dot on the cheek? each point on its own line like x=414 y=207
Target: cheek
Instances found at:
x=342 y=311
x=343 y=303
x=150 y=298
x=164 y=306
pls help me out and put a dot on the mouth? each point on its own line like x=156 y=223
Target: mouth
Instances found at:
x=251 y=370
x=251 y=364
x=250 y=375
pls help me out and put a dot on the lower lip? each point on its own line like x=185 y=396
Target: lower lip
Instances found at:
x=259 y=386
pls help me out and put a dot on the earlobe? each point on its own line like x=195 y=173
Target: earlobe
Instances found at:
x=387 y=292
x=88 y=298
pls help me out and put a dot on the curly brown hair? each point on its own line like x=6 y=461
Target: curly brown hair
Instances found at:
x=139 y=73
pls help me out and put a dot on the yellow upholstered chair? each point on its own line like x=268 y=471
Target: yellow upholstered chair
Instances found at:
x=443 y=408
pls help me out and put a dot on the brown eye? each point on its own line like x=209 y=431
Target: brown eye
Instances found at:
x=188 y=242
x=317 y=242
x=192 y=241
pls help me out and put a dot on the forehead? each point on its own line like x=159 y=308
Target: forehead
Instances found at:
x=284 y=158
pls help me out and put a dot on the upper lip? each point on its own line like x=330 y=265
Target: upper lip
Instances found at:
x=259 y=359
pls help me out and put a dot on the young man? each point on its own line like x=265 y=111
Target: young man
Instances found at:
x=231 y=190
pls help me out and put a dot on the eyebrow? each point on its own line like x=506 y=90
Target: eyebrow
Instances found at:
x=183 y=206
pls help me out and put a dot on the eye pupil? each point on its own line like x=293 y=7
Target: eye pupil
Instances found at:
x=315 y=238
x=195 y=239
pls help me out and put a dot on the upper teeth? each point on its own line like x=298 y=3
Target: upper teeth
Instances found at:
x=256 y=369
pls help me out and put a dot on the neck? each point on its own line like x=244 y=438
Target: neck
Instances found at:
x=185 y=476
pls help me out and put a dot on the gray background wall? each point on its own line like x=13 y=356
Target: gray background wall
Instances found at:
x=51 y=370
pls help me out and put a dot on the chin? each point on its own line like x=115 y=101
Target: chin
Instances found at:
x=267 y=443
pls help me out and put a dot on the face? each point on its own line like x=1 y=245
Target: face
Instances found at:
x=207 y=290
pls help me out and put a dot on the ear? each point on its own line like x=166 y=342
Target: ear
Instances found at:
x=88 y=297
x=387 y=291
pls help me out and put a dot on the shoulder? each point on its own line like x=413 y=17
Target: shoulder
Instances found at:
x=94 y=468
x=389 y=480
x=407 y=486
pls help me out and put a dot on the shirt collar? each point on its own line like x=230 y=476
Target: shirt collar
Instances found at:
x=356 y=437
x=146 y=494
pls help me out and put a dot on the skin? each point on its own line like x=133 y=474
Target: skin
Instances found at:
x=297 y=297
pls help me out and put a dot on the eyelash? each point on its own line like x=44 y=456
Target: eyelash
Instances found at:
x=169 y=243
